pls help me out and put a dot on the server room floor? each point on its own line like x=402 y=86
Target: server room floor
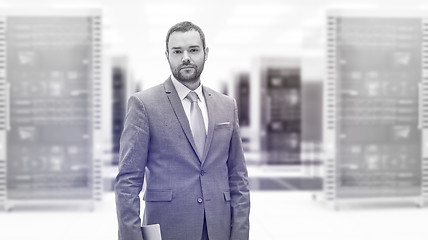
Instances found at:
x=275 y=215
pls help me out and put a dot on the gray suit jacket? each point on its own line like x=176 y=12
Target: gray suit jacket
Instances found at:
x=157 y=146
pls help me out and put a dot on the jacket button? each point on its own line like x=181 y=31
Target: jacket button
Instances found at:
x=202 y=172
x=200 y=200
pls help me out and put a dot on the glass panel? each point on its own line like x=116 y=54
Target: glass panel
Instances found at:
x=379 y=69
x=50 y=142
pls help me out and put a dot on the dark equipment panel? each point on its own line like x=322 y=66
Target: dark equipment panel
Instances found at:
x=281 y=115
x=119 y=109
x=243 y=99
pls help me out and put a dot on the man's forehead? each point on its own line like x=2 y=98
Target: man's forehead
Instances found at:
x=180 y=39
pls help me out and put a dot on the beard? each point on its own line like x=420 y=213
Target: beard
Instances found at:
x=183 y=75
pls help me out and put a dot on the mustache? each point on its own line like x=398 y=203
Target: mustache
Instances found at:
x=188 y=65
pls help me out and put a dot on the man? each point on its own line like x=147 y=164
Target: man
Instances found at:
x=183 y=139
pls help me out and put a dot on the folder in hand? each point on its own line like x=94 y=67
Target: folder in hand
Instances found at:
x=151 y=232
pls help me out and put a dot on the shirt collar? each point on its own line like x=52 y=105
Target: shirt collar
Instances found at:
x=183 y=90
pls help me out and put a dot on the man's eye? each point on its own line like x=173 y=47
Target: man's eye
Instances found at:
x=176 y=51
x=194 y=50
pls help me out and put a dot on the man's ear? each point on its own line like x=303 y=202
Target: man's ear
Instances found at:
x=206 y=53
x=166 y=54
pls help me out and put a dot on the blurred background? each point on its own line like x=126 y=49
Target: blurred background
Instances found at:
x=330 y=97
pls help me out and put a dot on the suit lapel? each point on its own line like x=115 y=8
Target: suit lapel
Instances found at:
x=179 y=112
x=210 y=108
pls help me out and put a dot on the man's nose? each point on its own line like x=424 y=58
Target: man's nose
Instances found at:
x=186 y=58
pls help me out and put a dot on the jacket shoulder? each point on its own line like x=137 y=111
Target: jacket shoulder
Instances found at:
x=149 y=94
x=219 y=96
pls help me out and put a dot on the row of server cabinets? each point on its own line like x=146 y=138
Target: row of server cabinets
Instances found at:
x=376 y=107
x=268 y=101
x=279 y=112
x=50 y=107
x=369 y=123
x=366 y=121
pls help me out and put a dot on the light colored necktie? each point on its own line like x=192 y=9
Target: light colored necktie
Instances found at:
x=197 y=123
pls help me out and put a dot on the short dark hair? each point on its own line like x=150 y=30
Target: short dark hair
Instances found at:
x=185 y=27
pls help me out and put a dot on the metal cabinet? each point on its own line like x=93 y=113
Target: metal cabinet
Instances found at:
x=376 y=101
x=50 y=107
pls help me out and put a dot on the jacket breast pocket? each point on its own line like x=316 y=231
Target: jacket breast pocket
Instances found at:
x=221 y=136
x=226 y=196
x=223 y=125
x=223 y=128
x=157 y=195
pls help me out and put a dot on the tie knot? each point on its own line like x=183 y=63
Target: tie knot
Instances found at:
x=192 y=96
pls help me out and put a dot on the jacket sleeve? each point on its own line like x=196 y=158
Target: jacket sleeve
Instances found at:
x=134 y=144
x=238 y=183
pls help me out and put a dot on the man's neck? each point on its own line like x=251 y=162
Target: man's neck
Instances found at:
x=190 y=85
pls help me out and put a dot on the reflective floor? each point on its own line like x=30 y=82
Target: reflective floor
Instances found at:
x=275 y=215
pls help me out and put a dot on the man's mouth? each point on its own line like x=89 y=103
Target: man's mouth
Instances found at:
x=187 y=67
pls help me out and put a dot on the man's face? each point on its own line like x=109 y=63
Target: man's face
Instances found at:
x=186 y=55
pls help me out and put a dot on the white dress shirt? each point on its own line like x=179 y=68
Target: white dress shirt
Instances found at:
x=182 y=93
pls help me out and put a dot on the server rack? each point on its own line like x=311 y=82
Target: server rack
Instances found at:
x=277 y=104
x=239 y=88
x=242 y=96
x=376 y=98
x=311 y=147
x=50 y=107
x=121 y=91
